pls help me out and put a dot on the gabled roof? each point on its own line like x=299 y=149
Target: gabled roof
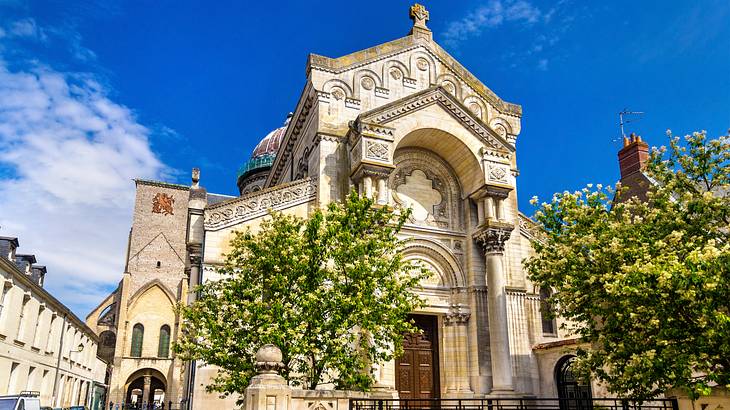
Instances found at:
x=410 y=42
x=439 y=96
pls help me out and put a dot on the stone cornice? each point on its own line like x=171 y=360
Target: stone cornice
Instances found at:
x=257 y=204
x=405 y=44
x=529 y=228
x=161 y=184
x=436 y=95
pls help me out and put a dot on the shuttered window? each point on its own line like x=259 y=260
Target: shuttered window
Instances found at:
x=164 y=349
x=137 y=337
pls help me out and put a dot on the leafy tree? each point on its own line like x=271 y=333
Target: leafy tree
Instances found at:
x=647 y=283
x=332 y=292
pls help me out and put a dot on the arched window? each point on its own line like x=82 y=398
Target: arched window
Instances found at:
x=573 y=393
x=548 y=322
x=164 y=348
x=137 y=337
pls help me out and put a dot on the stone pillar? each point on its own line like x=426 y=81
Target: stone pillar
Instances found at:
x=493 y=238
x=146 y=390
x=367 y=186
x=489 y=208
x=455 y=337
x=268 y=390
x=382 y=191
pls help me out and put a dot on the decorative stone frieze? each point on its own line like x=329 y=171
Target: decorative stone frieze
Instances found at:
x=259 y=203
x=438 y=95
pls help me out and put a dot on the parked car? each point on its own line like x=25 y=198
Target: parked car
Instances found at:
x=24 y=401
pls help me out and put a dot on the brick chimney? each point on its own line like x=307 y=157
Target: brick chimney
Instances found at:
x=633 y=156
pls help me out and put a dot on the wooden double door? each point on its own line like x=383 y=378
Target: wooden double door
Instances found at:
x=417 y=374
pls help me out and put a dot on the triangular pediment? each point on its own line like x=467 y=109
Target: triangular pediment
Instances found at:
x=383 y=115
x=408 y=44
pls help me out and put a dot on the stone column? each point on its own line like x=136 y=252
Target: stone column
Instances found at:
x=146 y=390
x=493 y=238
x=455 y=335
x=382 y=191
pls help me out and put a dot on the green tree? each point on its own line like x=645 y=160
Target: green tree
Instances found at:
x=647 y=283
x=331 y=291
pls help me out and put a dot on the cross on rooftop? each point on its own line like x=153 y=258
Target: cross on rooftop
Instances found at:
x=419 y=15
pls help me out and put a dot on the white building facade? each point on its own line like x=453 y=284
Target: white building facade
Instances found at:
x=44 y=347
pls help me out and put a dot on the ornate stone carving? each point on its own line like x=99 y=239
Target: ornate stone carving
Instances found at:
x=529 y=228
x=449 y=86
x=457 y=315
x=268 y=360
x=422 y=64
x=437 y=95
x=447 y=213
x=258 y=203
x=377 y=150
x=338 y=94
x=419 y=15
x=367 y=83
x=162 y=204
x=396 y=74
x=501 y=131
x=494 y=238
x=497 y=173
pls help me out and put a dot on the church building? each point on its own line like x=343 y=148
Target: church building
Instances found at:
x=406 y=124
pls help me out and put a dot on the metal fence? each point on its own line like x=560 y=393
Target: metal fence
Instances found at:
x=513 y=404
x=168 y=405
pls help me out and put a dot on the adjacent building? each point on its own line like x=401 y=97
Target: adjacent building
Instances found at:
x=44 y=347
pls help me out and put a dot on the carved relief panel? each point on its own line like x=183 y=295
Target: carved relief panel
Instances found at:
x=426 y=184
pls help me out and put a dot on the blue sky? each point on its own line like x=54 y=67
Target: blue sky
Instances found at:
x=94 y=93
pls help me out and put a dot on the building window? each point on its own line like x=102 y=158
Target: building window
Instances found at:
x=164 y=349
x=137 y=336
x=548 y=322
x=21 y=321
x=4 y=295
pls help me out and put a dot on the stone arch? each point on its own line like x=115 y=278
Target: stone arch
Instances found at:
x=459 y=151
x=149 y=285
x=477 y=106
x=446 y=211
x=358 y=78
x=567 y=385
x=137 y=381
x=392 y=65
x=335 y=83
x=444 y=79
x=497 y=122
x=414 y=66
x=450 y=269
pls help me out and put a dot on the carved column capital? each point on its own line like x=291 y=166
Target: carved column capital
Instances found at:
x=493 y=236
x=457 y=316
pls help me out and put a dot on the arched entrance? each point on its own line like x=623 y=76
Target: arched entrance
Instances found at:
x=573 y=393
x=145 y=389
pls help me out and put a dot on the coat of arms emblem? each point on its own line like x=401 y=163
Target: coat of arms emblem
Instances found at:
x=162 y=204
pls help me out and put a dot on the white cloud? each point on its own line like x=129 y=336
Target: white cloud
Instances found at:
x=491 y=15
x=68 y=154
x=27 y=28
x=542 y=64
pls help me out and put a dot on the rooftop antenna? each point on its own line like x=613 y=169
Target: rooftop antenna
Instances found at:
x=627 y=113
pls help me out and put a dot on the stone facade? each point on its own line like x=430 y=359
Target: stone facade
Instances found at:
x=44 y=347
x=405 y=124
